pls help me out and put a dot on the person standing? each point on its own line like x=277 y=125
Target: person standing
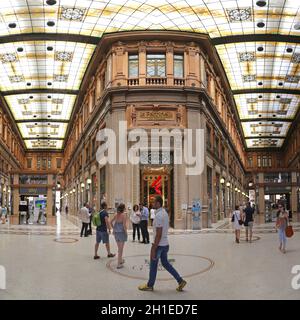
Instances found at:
x=84 y=216
x=67 y=210
x=119 y=223
x=144 y=223
x=160 y=248
x=249 y=221
x=135 y=219
x=2 y=215
x=91 y=212
x=152 y=215
x=102 y=232
x=236 y=219
x=281 y=224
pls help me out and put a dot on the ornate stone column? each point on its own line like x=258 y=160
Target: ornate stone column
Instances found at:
x=294 y=205
x=261 y=193
x=142 y=64
x=170 y=65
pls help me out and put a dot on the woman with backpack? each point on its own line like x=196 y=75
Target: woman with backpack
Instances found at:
x=237 y=223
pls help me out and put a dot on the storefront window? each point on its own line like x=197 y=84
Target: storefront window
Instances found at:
x=178 y=66
x=102 y=184
x=133 y=66
x=29 y=163
x=156 y=65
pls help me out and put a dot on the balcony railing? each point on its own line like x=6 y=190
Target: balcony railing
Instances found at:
x=133 y=82
x=156 y=81
x=179 y=82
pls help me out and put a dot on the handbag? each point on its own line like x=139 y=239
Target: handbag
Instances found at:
x=239 y=221
x=289 y=231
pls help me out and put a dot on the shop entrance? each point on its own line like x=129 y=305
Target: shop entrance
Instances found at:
x=32 y=210
x=271 y=201
x=158 y=181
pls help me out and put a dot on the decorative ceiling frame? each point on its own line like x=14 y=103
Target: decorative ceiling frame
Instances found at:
x=23 y=39
x=224 y=21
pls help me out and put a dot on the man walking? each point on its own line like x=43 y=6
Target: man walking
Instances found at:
x=248 y=222
x=84 y=216
x=144 y=223
x=102 y=232
x=160 y=248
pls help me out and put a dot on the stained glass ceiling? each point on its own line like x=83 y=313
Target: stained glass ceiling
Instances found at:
x=264 y=75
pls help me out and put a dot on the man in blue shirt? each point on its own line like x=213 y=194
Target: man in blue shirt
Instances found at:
x=144 y=223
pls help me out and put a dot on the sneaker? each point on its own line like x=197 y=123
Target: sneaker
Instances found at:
x=96 y=257
x=111 y=255
x=120 y=266
x=144 y=287
x=181 y=285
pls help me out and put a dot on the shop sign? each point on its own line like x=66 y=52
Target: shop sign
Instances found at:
x=33 y=191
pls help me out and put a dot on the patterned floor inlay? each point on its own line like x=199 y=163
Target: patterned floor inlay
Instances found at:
x=254 y=238
x=65 y=240
x=137 y=267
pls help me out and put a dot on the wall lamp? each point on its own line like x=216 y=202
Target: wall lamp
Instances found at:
x=222 y=180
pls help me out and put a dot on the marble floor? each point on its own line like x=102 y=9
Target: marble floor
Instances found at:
x=55 y=263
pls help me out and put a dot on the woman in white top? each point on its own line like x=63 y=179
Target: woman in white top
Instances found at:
x=135 y=218
x=236 y=218
x=152 y=215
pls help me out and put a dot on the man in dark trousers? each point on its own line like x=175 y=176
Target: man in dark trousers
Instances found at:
x=144 y=223
x=160 y=248
x=248 y=221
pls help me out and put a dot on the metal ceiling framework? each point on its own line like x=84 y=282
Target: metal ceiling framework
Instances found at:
x=47 y=45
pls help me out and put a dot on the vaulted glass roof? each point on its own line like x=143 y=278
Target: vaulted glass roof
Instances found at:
x=263 y=72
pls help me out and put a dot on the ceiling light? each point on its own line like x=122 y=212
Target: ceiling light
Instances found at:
x=278 y=97
x=260 y=24
x=49 y=97
x=260 y=96
x=49 y=83
x=289 y=50
x=280 y=83
x=260 y=83
x=12 y=25
x=50 y=23
x=297 y=26
x=20 y=49
x=261 y=3
x=49 y=48
x=51 y=2
x=260 y=48
x=28 y=84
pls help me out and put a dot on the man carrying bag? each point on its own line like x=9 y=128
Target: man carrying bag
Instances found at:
x=103 y=227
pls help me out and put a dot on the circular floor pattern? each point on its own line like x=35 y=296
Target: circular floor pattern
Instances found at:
x=65 y=240
x=137 y=267
x=254 y=238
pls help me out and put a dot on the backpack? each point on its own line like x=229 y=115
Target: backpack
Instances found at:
x=97 y=219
